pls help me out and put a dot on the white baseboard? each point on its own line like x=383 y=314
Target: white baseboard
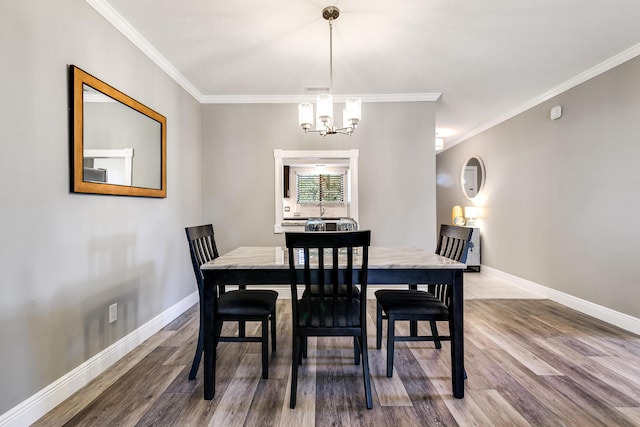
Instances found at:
x=55 y=393
x=621 y=320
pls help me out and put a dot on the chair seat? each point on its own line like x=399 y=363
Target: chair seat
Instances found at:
x=411 y=303
x=410 y=292
x=247 y=303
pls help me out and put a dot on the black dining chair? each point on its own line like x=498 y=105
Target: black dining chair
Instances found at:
x=416 y=305
x=240 y=305
x=327 y=262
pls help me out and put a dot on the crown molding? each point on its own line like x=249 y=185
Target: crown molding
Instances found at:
x=592 y=72
x=402 y=97
x=122 y=25
x=296 y=99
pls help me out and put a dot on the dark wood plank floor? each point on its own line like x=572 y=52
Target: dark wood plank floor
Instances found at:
x=529 y=362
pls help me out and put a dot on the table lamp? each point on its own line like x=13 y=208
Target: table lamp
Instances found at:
x=471 y=213
x=456 y=216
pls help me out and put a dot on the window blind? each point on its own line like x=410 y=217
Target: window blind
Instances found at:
x=320 y=188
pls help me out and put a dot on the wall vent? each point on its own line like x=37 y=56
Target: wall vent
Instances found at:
x=315 y=90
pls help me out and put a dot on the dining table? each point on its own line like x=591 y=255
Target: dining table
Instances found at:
x=392 y=266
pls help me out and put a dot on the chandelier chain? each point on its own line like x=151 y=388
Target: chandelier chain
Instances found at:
x=331 y=55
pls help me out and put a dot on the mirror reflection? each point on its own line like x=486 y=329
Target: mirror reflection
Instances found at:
x=472 y=177
x=119 y=144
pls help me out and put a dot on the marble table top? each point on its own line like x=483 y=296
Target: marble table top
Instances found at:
x=276 y=257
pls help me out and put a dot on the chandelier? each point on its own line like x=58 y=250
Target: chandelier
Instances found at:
x=324 y=104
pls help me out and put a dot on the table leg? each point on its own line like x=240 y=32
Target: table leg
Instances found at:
x=413 y=324
x=457 y=332
x=208 y=301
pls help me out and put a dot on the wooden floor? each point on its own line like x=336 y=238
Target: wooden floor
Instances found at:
x=529 y=362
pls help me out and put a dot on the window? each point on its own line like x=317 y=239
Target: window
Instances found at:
x=320 y=188
x=305 y=162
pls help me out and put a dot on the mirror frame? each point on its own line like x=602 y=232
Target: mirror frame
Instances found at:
x=483 y=177
x=78 y=185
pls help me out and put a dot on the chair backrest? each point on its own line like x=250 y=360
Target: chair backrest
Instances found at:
x=329 y=261
x=454 y=242
x=202 y=247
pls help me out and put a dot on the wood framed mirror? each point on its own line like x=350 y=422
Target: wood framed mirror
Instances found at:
x=119 y=146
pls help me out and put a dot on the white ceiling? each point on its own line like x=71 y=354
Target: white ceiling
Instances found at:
x=489 y=59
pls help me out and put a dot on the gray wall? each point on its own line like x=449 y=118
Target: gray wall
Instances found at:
x=396 y=170
x=65 y=257
x=561 y=196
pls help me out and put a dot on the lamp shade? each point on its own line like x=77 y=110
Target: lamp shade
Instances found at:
x=325 y=107
x=353 y=110
x=471 y=212
x=456 y=215
x=305 y=115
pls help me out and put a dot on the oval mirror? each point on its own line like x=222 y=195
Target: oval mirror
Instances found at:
x=472 y=177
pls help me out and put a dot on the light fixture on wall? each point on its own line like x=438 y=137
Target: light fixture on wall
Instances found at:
x=324 y=103
x=471 y=213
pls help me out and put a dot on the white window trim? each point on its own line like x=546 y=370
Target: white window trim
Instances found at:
x=281 y=156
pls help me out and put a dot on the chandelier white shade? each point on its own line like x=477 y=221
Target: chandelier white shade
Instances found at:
x=352 y=112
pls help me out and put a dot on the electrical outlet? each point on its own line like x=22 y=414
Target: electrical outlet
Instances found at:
x=113 y=312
